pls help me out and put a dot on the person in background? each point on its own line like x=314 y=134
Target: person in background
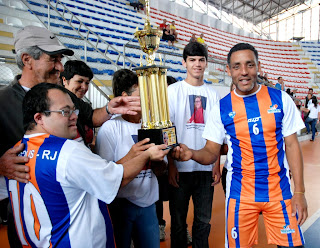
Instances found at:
x=173 y=30
x=193 y=38
x=313 y=111
x=280 y=84
x=133 y=212
x=201 y=40
x=136 y=4
x=166 y=35
x=163 y=25
x=76 y=78
x=308 y=97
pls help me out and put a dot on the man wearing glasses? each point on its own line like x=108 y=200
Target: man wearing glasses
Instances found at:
x=64 y=202
x=39 y=55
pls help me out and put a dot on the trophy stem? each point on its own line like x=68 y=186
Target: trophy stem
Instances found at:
x=154 y=100
x=142 y=79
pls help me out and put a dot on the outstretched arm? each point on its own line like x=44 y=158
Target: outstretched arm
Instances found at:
x=207 y=155
x=294 y=157
x=119 y=105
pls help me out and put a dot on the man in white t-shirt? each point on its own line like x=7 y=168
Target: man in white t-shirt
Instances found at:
x=190 y=102
x=64 y=202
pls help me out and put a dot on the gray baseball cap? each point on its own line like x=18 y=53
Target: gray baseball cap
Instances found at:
x=42 y=38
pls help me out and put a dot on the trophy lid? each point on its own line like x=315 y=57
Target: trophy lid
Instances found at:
x=149 y=38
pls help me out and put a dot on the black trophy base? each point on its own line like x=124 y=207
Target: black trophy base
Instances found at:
x=161 y=136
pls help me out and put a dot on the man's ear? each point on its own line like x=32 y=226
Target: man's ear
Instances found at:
x=64 y=81
x=184 y=63
x=26 y=60
x=228 y=70
x=124 y=93
x=38 y=118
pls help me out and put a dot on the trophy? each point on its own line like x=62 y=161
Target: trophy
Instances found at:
x=152 y=79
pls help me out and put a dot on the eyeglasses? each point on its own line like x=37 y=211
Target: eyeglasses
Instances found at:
x=65 y=113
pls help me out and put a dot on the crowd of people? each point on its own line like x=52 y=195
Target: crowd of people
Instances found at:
x=64 y=195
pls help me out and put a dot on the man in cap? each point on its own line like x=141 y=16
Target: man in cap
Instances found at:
x=39 y=55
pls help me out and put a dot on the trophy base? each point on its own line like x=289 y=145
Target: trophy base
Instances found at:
x=160 y=136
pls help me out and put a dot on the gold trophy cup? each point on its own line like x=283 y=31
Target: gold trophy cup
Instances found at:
x=156 y=123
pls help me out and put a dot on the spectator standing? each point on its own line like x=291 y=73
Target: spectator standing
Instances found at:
x=190 y=178
x=280 y=84
x=69 y=185
x=260 y=125
x=133 y=211
x=313 y=116
x=308 y=98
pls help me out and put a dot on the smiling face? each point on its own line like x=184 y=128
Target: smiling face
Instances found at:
x=47 y=68
x=197 y=103
x=195 y=65
x=78 y=85
x=243 y=69
x=55 y=123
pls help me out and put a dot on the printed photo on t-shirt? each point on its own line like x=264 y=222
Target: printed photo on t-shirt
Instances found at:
x=197 y=108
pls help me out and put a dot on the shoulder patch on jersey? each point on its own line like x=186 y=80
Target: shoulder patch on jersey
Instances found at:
x=274 y=109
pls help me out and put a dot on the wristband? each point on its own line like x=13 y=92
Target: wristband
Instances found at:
x=107 y=110
x=297 y=192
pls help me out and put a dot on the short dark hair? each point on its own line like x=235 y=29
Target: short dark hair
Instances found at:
x=76 y=67
x=240 y=47
x=194 y=49
x=311 y=89
x=279 y=78
x=123 y=80
x=36 y=101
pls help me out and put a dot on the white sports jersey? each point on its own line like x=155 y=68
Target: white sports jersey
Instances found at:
x=115 y=139
x=59 y=206
x=189 y=108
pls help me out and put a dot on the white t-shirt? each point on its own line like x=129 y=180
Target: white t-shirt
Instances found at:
x=313 y=111
x=190 y=120
x=115 y=139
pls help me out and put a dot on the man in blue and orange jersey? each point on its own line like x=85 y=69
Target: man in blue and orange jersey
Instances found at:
x=64 y=202
x=260 y=125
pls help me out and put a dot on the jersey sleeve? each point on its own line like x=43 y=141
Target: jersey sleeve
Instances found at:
x=292 y=121
x=80 y=168
x=214 y=129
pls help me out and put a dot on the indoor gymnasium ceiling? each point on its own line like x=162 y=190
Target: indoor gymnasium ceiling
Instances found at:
x=254 y=11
